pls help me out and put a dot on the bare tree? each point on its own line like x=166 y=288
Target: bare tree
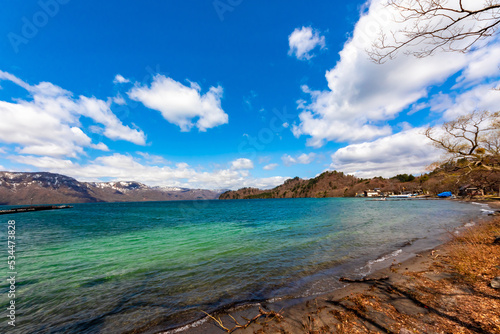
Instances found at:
x=430 y=25
x=472 y=144
x=474 y=136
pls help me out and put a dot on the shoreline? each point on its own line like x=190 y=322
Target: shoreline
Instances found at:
x=306 y=315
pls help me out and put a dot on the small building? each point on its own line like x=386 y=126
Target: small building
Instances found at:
x=372 y=193
x=467 y=191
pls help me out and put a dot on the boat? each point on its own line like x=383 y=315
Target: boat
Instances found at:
x=401 y=196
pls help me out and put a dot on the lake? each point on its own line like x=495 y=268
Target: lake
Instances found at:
x=152 y=266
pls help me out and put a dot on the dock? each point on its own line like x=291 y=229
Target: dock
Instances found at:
x=34 y=208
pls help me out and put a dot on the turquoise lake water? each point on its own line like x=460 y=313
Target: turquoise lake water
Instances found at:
x=148 y=267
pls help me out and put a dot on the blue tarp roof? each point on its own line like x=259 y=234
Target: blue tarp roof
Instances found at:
x=445 y=194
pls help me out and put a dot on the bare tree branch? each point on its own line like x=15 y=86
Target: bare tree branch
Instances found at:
x=262 y=313
x=432 y=25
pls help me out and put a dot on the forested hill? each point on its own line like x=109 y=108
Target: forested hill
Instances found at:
x=447 y=177
x=327 y=184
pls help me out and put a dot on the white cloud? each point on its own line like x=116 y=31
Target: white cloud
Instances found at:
x=126 y=168
x=49 y=124
x=408 y=151
x=302 y=41
x=45 y=162
x=120 y=79
x=485 y=63
x=480 y=98
x=242 y=163
x=153 y=159
x=305 y=159
x=266 y=182
x=181 y=165
x=100 y=112
x=100 y=146
x=362 y=96
x=41 y=130
x=14 y=79
x=288 y=160
x=118 y=99
x=181 y=105
x=270 y=167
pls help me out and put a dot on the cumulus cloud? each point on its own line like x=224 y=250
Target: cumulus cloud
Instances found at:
x=49 y=124
x=118 y=99
x=304 y=40
x=242 y=163
x=39 y=130
x=408 y=151
x=270 y=167
x=362 y=96
x=126 y=168
x=304 y=159
x=120 y=79
x=480 y=98
x=181 y=105
x=100 y=111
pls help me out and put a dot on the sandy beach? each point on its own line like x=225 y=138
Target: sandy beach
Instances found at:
x=443 y=290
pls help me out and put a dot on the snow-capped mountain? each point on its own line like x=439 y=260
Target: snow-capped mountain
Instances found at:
x=49 y=188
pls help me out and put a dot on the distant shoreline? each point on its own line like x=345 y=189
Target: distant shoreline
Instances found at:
x=32 y=208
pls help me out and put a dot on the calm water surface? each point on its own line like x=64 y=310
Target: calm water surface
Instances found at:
x=147 y=267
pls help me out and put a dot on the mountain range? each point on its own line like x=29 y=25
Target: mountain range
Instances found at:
x=18 y=188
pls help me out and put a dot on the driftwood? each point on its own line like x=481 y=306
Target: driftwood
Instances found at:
x=237 y=325
x=362 y=280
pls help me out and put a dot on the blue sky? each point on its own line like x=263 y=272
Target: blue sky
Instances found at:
x=221 y=94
